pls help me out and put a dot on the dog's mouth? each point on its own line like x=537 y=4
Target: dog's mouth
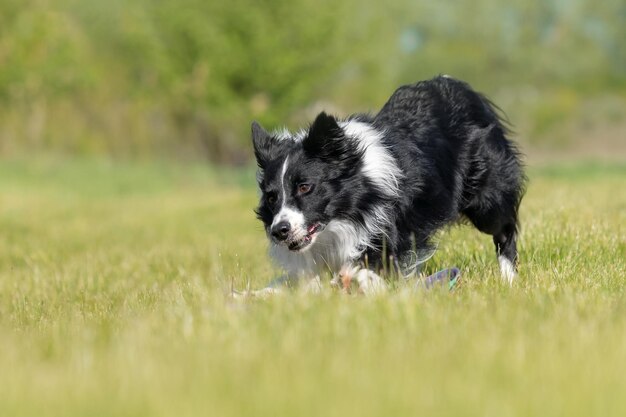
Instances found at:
x=311 y=233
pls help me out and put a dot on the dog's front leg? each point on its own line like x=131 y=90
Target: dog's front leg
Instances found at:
x=368 y=281
x=312 y=285
x=262 y=293
x=281 y=284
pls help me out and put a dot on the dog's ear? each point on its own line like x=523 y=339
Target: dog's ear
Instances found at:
x=263 y=144
x=326 y=139
x=324 y=127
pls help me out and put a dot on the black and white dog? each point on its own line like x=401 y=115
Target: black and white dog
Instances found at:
x=344 y=193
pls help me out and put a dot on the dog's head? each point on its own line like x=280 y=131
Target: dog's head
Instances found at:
x=307 y=180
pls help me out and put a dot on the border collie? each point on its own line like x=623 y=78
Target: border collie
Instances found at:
x=349 y=194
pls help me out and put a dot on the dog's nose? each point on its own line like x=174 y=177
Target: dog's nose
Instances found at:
x=281 y=230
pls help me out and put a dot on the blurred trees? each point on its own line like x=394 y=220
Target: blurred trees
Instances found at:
x=185 y=77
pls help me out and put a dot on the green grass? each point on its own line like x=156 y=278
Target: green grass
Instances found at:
x=112 y=303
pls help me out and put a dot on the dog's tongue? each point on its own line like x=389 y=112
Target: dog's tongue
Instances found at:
x=312 y=228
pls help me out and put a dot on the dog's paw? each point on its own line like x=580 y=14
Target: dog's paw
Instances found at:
x=368 y=281
x=343 y=280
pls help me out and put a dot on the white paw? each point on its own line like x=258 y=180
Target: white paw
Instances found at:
x=370 y=282
x=507 y=269
x=343 y=280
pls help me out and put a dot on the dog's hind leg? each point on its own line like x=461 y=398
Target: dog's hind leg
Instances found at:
x=503 y=227
x=493 y=189
x=506 y=249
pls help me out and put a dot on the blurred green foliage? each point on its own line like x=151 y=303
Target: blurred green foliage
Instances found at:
x=185 y=77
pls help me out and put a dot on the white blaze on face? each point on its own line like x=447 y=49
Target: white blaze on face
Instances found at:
x=294 y=217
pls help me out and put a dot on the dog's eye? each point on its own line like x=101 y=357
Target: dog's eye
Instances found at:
x=271 y=199
x=304 y=188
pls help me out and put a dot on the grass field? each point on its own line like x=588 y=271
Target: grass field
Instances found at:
x=112 y=303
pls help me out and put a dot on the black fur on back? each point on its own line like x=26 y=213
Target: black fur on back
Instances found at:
x=451 y=144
